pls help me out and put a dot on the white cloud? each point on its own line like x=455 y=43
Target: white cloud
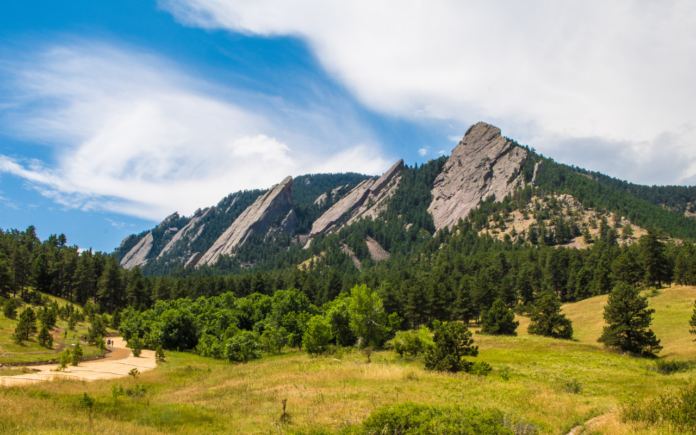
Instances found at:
x=616 y=74
x=133 y=134
x=423 y=151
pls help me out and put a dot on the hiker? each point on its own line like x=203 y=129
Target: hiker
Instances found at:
x=66 y=335
x=108 y=343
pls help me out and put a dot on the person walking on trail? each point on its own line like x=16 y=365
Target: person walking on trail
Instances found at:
x=66 y=334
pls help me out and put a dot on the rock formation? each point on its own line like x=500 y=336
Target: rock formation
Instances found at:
x=337 y=191
x=351 y=254
x=256 y=219
x=377 y=253
x=480 y=166
x=137 y=256
x=194 y=259
x=366 y=199
x=192 y=230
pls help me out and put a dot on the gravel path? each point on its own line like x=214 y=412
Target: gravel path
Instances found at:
x=116 y=365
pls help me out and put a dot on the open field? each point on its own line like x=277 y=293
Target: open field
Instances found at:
x=554 y=385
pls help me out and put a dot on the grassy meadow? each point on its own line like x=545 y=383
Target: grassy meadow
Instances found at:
x=30 y=351
x=552 y=385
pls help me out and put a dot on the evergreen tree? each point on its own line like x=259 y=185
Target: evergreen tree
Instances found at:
x=628 y=319
x=26 y=325
x=655 y=264
x=547 y=319
x=692 y=322
x=6 y=281
x=9 y=309
x=45 y=338
x=76 y=355
x=84 y=278
x=499 y=320
x=40 y=275
x=110 y=293
x=452 y=342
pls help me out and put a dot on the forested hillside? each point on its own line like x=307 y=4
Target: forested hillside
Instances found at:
x=454 y=273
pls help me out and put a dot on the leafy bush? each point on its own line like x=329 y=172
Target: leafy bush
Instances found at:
x=480 y=368
x=670 y=367
x=411 y=419
x=317 y=335
x=243 y=347
x=274 y=339
x=675 y=409
x=138 y=390
x=412 y=342
x=136 y=346
x=76 y=355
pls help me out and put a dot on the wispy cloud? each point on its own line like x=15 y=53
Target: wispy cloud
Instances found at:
x=423 y=151
x=616 y=74
x=133 y=134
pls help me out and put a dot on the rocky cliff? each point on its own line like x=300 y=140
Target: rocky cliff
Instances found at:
x=137 y=256
x=256 y=219
x=479 y=166
x=189 y=232
x=368 y=198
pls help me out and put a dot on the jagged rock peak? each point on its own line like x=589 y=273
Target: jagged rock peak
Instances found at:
x=479 y=166
x=256 y=219
x=137 y=256
x=355 y=204
x=187 y=230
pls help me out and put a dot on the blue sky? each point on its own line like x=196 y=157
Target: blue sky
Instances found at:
x=115 y=114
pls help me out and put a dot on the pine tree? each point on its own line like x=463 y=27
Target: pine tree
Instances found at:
x=45 y=338
x=499 y=320
x=547 y=319
x=26 y=325
x=84 y=280
x=452 y=342
x=110 y=291
x=76 y=355
x=628 y=319
x=655 y=264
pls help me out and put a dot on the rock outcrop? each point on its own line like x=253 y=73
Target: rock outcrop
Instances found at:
x=366 y=199
x=480 y=166
x=352 y=256
x=256 y=219
x=192 y=230
x=137 y=256
x=194 y=259
x=377 y=253
x=337 y=191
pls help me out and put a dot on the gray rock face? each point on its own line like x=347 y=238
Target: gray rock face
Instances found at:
x=194 y=259
x=192 y=230
x=479 y=166
x=366 y=199
x=377 y=253
x=256 y=219
x=138 y=255
x=351 y=254
x=337 y=191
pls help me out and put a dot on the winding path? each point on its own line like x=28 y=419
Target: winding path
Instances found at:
x=116 y=365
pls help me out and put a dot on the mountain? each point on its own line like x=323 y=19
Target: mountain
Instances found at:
x=488 y=180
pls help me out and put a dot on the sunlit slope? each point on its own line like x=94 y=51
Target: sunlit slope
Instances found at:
x=673 y=309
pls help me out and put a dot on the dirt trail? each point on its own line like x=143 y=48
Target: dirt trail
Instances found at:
x=588 y=425
x=116 y=365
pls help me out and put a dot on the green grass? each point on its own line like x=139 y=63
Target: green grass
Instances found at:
x=30 y=351
x=191 y=394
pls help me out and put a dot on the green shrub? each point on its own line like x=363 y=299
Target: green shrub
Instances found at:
x=136 y=346
x=670 y=367
x=480 y=368
x=138 y=390
x=572 y=386
x=243 y=347
x=675 y=409
x=412 y=342
x=415 y=419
